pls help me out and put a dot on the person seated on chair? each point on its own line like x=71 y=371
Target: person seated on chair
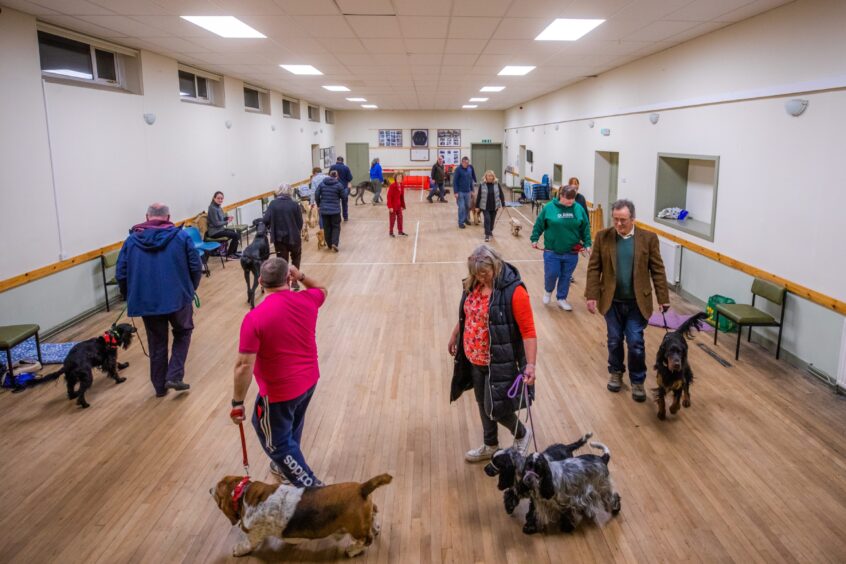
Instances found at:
x=217 y=226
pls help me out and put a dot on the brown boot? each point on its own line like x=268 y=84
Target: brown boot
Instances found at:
x=638 y=393
x=615 y=382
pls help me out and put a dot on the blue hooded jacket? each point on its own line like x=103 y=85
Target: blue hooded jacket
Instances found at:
x=463 y=179
x=376 y=172
x=158 y=269
x=329 y=195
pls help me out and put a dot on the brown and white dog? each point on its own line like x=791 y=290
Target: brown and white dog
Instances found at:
x=476 y=216
x=515 y=227
x=299 y=514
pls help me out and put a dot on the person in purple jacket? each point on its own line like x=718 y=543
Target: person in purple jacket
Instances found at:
x=158 y=270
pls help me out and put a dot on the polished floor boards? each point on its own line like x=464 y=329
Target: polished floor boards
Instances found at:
x=755 y=471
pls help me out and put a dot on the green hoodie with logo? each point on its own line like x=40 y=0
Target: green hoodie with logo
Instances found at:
x=563 y=227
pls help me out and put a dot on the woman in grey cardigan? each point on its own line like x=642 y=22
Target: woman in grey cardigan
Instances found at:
x=217 y=225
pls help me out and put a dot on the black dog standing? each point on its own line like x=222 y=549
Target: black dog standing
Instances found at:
x=252 y=258
x=673 y=371
x=100 y=352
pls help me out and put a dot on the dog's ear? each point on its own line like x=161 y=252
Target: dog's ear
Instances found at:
x=223 y=497
x=661 y=356
x=547 y=488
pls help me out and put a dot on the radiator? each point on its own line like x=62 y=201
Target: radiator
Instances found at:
x=671 y=255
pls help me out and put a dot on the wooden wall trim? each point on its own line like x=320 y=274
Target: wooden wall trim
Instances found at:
x=812 y=295
x=55 y=267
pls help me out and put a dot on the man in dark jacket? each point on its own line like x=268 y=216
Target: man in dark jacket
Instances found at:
x=158 y=270
x=328 y=197
x=462 y=182
x=345 y=177
x=285 y=223
x=438 y=175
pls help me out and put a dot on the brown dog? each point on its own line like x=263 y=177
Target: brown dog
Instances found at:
x=298 y=514
x=476 y=216
x=321 y=240
x=515 y=227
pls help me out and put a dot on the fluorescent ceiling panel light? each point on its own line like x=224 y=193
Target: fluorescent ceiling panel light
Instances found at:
x=337 y=88
x=469 y=106
x=492 y=89
x=357 y=99
x=515 y=70
x=565 y=29
x=225 y=26
x=478 y=99
x=301 y=69
x=369 y=106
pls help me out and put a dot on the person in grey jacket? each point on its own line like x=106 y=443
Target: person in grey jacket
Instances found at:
x=328 y=197
x=284 y=221
x=217 y=225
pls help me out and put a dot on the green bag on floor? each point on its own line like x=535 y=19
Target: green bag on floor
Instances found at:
x=726 y=324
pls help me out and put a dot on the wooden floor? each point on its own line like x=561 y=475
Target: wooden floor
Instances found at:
x=755 y=471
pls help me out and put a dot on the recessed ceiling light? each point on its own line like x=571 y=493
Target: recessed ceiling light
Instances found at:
x=357 y=99
x=369 y=106
x=469 y=106
x=478 y=99
x=492 y=89
x=301 y=69
x=515 y=70
x=565 y=29
x=337 y=88
x=225 y=26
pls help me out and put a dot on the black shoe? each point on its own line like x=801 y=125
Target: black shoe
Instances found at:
x=461 y=226
x=162 y=394
x=429 y=199
x=392 y=235
x=335 y=248
x=442 y=201
x=487 y=239
x=179 y=386
x=403 y=234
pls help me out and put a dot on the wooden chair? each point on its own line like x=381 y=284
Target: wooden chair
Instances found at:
x=13 y=335
x=108 y=260
x=749 y=316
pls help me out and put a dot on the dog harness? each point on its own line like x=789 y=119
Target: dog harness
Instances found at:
x=111 y=339
x=238 y=494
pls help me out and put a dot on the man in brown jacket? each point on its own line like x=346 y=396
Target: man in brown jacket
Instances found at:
x=624 y=260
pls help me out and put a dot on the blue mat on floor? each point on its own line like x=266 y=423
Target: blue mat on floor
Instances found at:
x=52 y=353
x=513 y=204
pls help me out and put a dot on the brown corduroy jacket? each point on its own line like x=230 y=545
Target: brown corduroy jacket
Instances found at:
x=602 y=271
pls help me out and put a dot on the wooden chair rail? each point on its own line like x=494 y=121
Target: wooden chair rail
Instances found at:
x=812 y=295
x=50 y=269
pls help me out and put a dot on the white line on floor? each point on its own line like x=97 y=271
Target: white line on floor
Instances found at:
x=421 y=195
x=416 y=237
x=532 y=223
x=405 y=263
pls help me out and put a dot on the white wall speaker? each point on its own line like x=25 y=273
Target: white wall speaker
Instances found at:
x=796 y=107
x=150 y=119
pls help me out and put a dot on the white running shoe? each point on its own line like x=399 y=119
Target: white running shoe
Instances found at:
x=547 y=296
x=522 y=445
x=564 y=305
x=484 y=452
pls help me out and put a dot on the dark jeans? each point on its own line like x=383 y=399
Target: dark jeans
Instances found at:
x=161 y=369
x=490 y=218
x=292 y=254
x=491 y=435
x=377 y=189
x=332 y=228
x=345 y=205
x=234 y=239
x=436 y=188
x=279 y=426
x=625 y=321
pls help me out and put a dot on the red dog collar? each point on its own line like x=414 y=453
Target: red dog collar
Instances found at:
x=238 y=493
x=111 y=339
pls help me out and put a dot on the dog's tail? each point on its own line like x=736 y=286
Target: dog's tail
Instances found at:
x=581 y=442
x=692 y=323
x=606 y=454
x=373 y=483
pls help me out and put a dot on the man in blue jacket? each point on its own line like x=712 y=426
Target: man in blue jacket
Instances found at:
x=346 y=178
x=462 y=183
x=158 y=270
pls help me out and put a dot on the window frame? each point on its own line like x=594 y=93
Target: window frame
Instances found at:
x=118 y=83
x=258 y=109
x=316 y=112
x=209 y=97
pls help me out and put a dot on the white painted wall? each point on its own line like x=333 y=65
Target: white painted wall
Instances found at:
x=109 y=164
x=723 y=94
x=363 y=127
x=700 y=189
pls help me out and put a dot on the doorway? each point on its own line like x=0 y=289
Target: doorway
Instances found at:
x=486 y=156
x=557 y=174
x=358 y=159
x=524 y=172
x=606 y=167
x=315 y=157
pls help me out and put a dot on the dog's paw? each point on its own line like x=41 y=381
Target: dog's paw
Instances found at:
x=674 y=408
x=511 y=501
x=566 y=525
x=122 y=365
x=616 y=504
x=243 y=548
x=530 y=529
x=686 y=402
x=355 y=549
x=120 y=380
x=84 y=405
x=662 y=415
x=72 y=395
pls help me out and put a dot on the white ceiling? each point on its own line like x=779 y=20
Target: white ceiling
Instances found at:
x=401 y=54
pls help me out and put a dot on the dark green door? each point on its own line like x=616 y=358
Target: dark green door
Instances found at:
x=358 y=159
x=486 y=156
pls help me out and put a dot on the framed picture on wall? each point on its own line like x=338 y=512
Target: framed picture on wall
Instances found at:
x=390 y=137
x=420 y=154
x=451 y=156
x=449 y=138
x=419 y=137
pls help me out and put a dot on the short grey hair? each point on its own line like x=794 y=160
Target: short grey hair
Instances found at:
x=284 y=190
x=483 y=257
x=274 y=273
x=158 y=210
x=623 y=203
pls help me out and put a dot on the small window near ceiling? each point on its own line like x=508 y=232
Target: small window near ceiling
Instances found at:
x=329 y=116
x=290 y=109
x=252 y=99
x=68 y=58
x=192 y=87
x=313 y=113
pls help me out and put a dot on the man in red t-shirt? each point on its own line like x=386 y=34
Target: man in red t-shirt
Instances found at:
x=278 y=345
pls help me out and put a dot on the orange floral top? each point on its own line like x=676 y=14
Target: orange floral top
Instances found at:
x=477 y=338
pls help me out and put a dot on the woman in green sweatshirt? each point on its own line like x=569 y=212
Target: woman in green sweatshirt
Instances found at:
x=566 y=232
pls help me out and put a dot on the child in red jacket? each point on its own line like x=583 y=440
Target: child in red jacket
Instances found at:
x=396 y=203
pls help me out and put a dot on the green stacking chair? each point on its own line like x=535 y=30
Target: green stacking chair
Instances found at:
x=108 y=260
x=13 y=335
x=750 y=316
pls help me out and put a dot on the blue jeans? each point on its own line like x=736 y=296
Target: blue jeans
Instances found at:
x=436 y=188
x=464 y=206
x=558 y=268
x=624 y=320
x=279 y=426
x=345 y=208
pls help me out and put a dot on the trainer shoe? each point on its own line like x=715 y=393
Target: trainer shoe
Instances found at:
x=277 y=472
x=638 y=393
x=403 y=234
x=547 y=296
x=564 y=305
x=179 y=386
x=615 y=382
x=522 y=444
x=484 y=452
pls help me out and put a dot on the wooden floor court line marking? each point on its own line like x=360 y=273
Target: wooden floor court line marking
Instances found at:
x=416 y=237
x=532 y=223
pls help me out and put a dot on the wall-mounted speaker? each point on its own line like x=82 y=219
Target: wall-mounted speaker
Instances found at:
x=530 y=156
